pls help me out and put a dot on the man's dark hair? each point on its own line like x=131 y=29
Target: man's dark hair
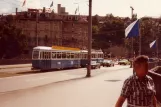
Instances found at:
x=141 y=59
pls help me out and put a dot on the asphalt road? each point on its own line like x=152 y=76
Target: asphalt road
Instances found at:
x=72 y=90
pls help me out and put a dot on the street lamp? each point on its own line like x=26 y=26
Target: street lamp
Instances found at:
x=89 y=39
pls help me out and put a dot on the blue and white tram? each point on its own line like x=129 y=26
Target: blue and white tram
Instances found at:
x=96 y=55
x=45 y=58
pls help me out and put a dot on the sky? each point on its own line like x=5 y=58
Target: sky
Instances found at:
x=101 y=7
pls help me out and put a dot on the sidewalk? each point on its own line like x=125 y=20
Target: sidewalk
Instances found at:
x=15 y=66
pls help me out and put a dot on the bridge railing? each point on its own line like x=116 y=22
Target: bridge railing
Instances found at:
x=155 y=73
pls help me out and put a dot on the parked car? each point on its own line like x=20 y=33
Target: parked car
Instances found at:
x=95 y=65
x=108 y=63
x=124 y=62
x=152 y=60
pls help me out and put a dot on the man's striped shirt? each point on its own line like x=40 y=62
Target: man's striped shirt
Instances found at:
x=139 y=92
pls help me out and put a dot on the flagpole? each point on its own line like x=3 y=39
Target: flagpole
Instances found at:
x=132 y=9
x=140 y=37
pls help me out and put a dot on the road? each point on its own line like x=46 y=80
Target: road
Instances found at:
x=100 y=90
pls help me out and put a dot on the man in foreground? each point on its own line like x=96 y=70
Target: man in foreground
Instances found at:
x=138 y=89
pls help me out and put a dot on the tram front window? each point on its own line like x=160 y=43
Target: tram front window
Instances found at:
x=35 y=54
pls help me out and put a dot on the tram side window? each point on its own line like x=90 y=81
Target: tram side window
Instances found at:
x=82 y=56
x=76 y=55
x=49 y=55
x=64 y=55
x=68 y=55
x=45 y=55
x=41 y=55
x=93 y=55
x=98 y=55
x=86 y=56
x=53 y=55
x=59 y=55
x=72 y=55
x=102 y=55
x=35 y=54
x=79 y=55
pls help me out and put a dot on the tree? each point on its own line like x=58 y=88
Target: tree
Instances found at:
x=95 y=29
x=12 y=41
x=95 y=20
x=111 y=29
x=118 y=51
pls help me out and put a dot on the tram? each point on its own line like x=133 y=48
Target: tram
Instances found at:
x=57 y=57
x=96 y=56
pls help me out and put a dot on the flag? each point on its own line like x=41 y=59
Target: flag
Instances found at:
x=153 y=44
x=132 y=30
x=24 y=3
x=51 y=4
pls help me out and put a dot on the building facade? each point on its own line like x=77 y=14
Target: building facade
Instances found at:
x=47 y=29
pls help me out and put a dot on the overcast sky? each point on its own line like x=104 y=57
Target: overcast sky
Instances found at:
x=101 y=7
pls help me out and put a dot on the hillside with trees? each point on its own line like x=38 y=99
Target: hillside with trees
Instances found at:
x=109 y=33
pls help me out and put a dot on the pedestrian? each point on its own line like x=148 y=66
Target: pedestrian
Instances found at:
x=138 y=89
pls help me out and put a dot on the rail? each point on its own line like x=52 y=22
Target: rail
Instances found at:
x=157 y=81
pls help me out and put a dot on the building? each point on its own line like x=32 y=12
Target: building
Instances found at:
x=46 y=29
x=61 y=10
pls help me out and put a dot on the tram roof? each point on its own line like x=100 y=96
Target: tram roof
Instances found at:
x=42 y=48
x=92 y=51
x=52 y=49
x=64 y=49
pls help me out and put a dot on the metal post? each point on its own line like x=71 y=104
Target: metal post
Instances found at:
x=37 y=42
x=140 y=37
x=89 y=39
x=132 y=9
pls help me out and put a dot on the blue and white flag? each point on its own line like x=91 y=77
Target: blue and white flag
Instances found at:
x=153 y=44
x=132 y=30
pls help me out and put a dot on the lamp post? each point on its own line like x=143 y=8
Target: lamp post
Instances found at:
x=37 y=41
x=89 y=39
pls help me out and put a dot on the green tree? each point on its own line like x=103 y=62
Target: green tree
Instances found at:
x=12 y=41
x=95 y=29
x=95 y=20
x=111 y=29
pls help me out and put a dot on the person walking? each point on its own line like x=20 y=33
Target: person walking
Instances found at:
x=138 y=89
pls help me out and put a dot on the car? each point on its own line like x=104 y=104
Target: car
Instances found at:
x=152 y=60
x=124 y=62
x=95 y=65
x=108 y=63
